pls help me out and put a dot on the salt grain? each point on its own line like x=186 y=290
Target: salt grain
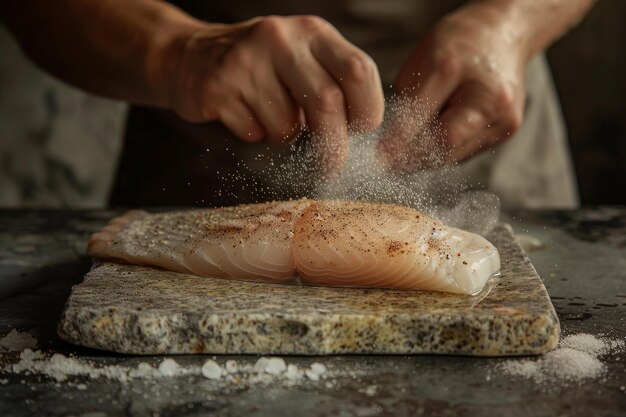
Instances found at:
x=231 y=366
x=260 y=365
x=292 y=372
x=370 y=390
x=315 y=372
x=144 y=370
x=169 y=367
x=276 y=366
x=212 y=370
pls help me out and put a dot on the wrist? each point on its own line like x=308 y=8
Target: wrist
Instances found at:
x=534 y=25
x=511 y=24
x=166 y=52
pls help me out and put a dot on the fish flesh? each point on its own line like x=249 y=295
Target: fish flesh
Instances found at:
x=332 y=243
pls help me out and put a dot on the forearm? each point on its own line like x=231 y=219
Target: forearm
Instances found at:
x=109 y=47
x=534 y=25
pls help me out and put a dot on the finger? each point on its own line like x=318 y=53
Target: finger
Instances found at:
x=462 y=122
x=425 y=84
x=404 y=145
x=429 y=77
x=322 y=100
x=277 y=111
x=469 y=120
x=238 y=117
x=481 y=141
x=358 y=76
x=410 y=141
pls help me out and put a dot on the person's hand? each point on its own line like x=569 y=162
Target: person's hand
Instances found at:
x=267 y=77
x=468 y=75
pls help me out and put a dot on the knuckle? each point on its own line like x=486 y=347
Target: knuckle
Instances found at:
x=270 y=26
x=513 y=123
x=505 y=99
x=329 y=99
x=359 y=67
x=286 y=128
x=273 y=29
x=505 y=102
x=311 y=23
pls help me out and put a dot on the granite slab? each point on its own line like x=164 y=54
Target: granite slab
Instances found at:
x=139 y=310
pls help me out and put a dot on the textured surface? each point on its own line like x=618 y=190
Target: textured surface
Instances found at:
x=581 y=259
x=132 y=309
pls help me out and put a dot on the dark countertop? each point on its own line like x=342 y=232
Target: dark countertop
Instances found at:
x=583 y=264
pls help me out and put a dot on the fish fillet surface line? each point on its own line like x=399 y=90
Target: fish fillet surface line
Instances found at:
x=333 y=243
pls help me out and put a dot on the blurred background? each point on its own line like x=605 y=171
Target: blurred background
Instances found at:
x=589 y=67
x=59 y=146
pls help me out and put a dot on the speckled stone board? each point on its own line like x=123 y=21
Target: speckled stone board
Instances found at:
x=138 y=310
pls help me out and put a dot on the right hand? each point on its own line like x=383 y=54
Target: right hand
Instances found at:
x=267 y=77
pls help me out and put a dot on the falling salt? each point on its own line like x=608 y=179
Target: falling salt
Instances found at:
x=436 y=187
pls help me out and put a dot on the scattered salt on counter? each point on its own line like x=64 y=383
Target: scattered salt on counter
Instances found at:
x=591 y=344
x=264 y=371
x=17 y=341
x=575 y=360
x=59 y=367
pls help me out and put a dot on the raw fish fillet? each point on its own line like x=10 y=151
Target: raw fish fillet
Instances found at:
x=333 y=243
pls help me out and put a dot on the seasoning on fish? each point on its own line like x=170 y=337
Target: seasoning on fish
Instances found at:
x=332 y=243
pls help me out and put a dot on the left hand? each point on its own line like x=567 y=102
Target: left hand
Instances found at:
x=469 y=75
